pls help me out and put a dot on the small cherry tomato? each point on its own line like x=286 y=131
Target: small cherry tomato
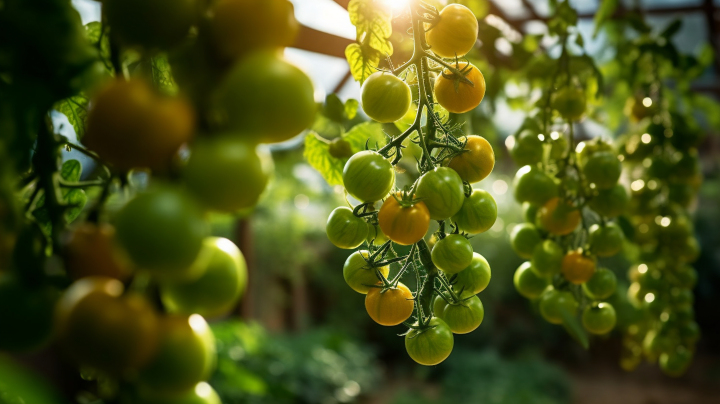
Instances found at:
x=404 y=225
x=463 y=317
x=431 y=345
x=358 y=274
x=599 y=319
x=346 y=230
x=547 y=258
x=456 y=95
x=452 y=254
x=610 y=202
x=577 y=268
x=601 y=285
x=385 y=97
x=533 y=185
x=570 y=102
x=559 y=217
x=528 y=283
x=602 y=169
x=606 y=241
x=202 y=393
x=368 y=176
x=527 y=149
x=91 y=251
x=476 y=162
x=524 y=238
x=455 y=32
x=553 y=303
x=442 y=191
x=676 y=362
x=475 y=278
x=478 y=213
x=389 y=306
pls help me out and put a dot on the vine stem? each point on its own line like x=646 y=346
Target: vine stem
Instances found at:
x=47 y=161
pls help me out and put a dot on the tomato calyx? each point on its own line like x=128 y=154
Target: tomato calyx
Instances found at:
x=458 y=74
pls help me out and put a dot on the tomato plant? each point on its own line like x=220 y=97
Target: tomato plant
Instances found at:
x=389 y=306
x=385 y=98
x=477 y=214
x=368 y=176
x=431 y=345
x=442 y=192
x=402 y=221
x=346 y=230
x=452 y=254
x=599 y=319
x=477 y=160
x=463 y=317
x=455 y=32
x=462 y=91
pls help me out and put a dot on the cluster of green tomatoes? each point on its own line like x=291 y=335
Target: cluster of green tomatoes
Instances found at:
x=563 y=187
x=664 y=172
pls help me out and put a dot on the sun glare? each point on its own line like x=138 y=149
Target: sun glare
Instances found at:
x=397 y=5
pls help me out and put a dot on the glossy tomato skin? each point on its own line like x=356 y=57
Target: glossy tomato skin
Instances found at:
x=390 y=307
x=224 y=173
x=477 y=162
x=91 y=251
x=162 y=230
x=266 y=98
x=442 y=191
x=368 y=176
x=610 y=202
x=601 y=285
x=202 y=393
x=528 y=283
x=452 y=254
x=553 y=302
x=547 y=258
x=345 y=230
x=26 y=314
x=606 y=241
x=375 y=235
x=602 y=169
x=431 y=346
x=475 y=278
x=570 y=102
x=478 y=212
x=130 y=126
x=524 y=238
x=385 y=97
x=186 y=356
x=358 y=274
x=467 y=97
x=577 y=268
x=463 y=317
x=151 y=23
x=455 y=32
x=533 y=185
x=217 y=291
x=403 y=225
x=99 y=327
x=559 y=217
x=599 y=319
x=241 y=26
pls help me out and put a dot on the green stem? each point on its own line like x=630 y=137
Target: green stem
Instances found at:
x=47 y=161
x=427 y=290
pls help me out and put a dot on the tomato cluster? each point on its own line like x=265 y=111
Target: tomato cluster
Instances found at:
x=141 y=274
x=449 y=274
x=665 y=175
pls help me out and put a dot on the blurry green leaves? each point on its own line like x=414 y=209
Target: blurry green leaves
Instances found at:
x=318 y=154
x=604 y=13
x=74 y=199
x=565 y=16
x=99 y=38
x=75 y=109
x=479 y=7
x=574 y=328
x=373 y=23
x=162 y=75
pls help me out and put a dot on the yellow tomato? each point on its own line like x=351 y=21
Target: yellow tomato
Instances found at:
x=466 y=96
x=391 y=306
x=559 y=217
x=577 y=268
x=477 y=162
x=404 y=225
x=454 y=33
x=91 y=251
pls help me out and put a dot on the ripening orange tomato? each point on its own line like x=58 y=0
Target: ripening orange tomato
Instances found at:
x=91 y=251
x=466 y=96
x=404 y=225
x=559 y=217
x=577 y=268
x=477 y=162
x=390 y=306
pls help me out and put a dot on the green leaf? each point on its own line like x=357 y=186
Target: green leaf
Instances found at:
x=317 y=154
x=71 y=171
x=373 y=22
x=76 y=199
x=363 y=61
x=672 y=29
x=101 y=41
x=580 y=41
x=334 y=108
x=75 y=109
x=351 y=108
x=574 y=328
x=370 y=132
x=162 y=75
x=480 y=8
x=604 y=13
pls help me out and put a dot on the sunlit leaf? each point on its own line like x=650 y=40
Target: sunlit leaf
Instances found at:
x=75 y=109
x=363 y=61
x=351 y=108
x=479 y=7
x=71 y=171
x=370 y=132
x=317 y=154
x=162 y=75
x=373 y=22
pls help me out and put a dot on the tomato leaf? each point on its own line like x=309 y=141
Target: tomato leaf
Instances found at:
x=604 y=13
x=370 y=132
x=317 y=154
x=75 y=109
x=574 y=328
x=101 y=41
x=373 y=22
x=75 y=198
x=351 y=108
x=362 y=61
x=479 y=7
x=162 y=75
x=71 y=171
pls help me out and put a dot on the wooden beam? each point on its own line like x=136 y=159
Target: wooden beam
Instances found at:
x=312 y=40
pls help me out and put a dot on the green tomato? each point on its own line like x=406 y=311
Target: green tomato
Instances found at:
x=163 y=232
x=606 y=241
x=570 y=102
x=439 y=305
x=553 y=303
x=346 y=230
x=534 y=185
x=225 y=174
x=528 y=283
x=559 y=148
x=442 y=191
x=375 y=235
x=452 y=254
x=368 y=176
x=601 y=285
x=217 y=291
x=603 y=169
x=528 y=148
x=610 y=202
x=599 y=319
x=463 y=317
x=524 y=238
x=385 y=97
x=358 y=274
x=432 y=345
x=266 y=98
x=202 y=393
x=675 y=363
x=340 y=148
x=151 y=23
x=530 y=212
x=547 y=258
x=475 y=278
x=478 y=213
x=26 y=314
x=186 y=356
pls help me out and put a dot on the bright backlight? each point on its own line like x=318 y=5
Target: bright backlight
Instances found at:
x=397 y=5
